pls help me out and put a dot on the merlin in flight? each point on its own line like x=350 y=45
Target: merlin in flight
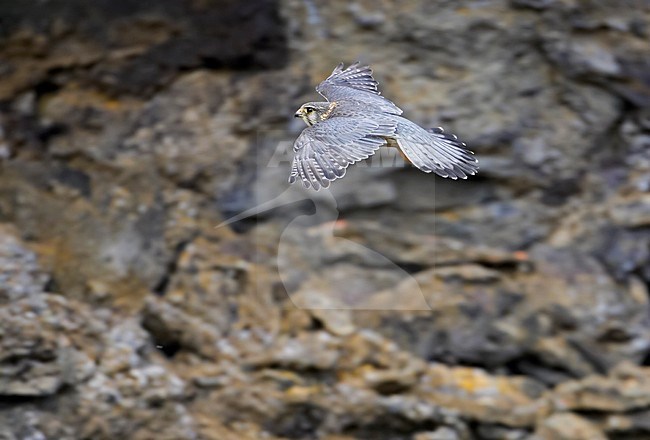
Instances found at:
x=355 y=122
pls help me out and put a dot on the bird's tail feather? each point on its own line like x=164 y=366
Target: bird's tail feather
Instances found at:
x=436 y=151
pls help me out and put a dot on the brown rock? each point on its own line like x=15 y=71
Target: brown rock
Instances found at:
x=510 y=401
x=568 y=426
x=172 y=329
x=627 y=389
x=632 y=212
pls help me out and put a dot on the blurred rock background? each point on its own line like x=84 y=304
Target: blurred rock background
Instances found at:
x=130 y=128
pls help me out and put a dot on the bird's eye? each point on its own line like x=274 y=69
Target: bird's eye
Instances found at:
x=309 y=109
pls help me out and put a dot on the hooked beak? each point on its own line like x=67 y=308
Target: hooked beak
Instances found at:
x=297 y=114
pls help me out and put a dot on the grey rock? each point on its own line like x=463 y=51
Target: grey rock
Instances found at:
x=20 y=272
x=397 y=305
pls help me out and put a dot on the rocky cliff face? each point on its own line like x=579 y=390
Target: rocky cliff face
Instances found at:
x=513 y=305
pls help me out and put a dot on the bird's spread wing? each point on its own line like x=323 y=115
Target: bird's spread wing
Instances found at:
x=355 y=83
x=434 y=150
x=325 y=150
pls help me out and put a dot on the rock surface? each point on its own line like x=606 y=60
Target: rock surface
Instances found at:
x=398 y=305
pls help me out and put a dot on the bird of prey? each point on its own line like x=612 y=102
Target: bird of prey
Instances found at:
x=355 y=122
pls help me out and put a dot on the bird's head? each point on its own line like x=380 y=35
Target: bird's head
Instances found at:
x=313 y=112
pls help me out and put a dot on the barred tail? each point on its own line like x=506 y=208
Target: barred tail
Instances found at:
x=436 y=151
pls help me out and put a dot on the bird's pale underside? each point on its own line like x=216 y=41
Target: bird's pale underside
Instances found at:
x=355 y=122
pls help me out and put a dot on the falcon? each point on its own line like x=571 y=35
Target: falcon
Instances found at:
x=355 y=122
